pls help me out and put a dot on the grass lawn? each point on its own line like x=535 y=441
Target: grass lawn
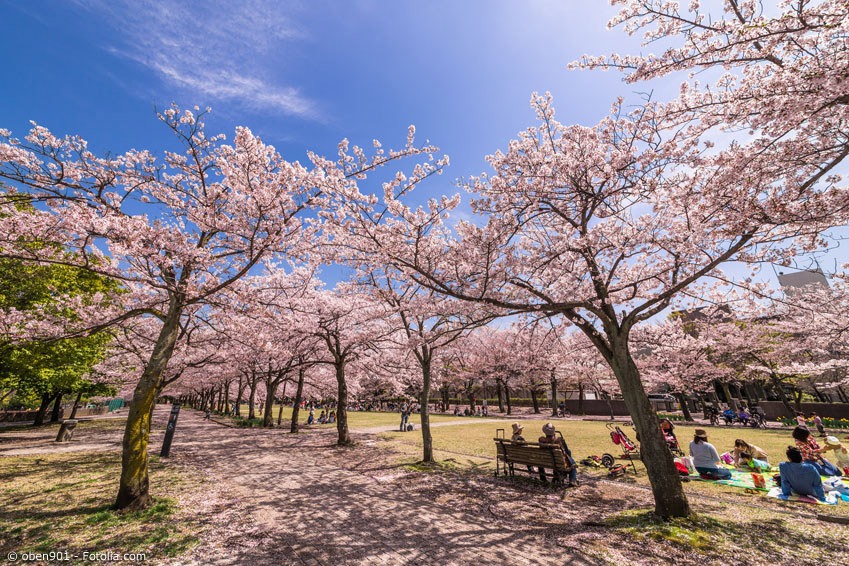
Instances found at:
x=356 y=419
x=56 y=502
x=471 y=446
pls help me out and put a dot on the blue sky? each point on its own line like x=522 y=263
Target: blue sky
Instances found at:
x=304 y=75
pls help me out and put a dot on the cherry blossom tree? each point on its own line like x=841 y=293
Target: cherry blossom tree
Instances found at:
x=174 y=232
x=606 y=225
x=426 y=324
x=348 y=324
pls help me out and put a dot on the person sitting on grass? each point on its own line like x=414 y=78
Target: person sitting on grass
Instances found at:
x=705 y=457
x=800 y=477
x=550 y=438
x=322 y=418
x=331 y=418
x=741 y=447
x=812 y=453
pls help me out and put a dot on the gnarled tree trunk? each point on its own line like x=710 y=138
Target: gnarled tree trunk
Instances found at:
x=134 y=485
x=669 y=497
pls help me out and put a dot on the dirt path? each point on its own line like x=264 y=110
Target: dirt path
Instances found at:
x=317 y=504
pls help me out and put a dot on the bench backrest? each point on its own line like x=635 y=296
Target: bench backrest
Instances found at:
x=531 y=454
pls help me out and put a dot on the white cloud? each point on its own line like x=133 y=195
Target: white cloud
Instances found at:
x=215 y=49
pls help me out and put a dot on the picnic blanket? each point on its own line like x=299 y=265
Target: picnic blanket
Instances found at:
x=741 y=479
x=830 y=498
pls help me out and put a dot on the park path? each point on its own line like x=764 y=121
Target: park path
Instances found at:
x=318 y=504
x=433 y=424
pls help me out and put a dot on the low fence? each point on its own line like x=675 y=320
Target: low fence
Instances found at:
x=776 y=409
x=17 y=416
x=85 y=412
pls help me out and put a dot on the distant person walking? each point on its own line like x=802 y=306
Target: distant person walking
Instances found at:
x=405 y=416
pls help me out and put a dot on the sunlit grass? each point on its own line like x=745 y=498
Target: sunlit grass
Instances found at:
x=471 y=446
x=63 y=502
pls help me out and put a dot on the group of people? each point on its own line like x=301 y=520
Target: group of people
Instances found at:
x=480 y=411
x=323 y=418
x=817 y=420
x=800 y=474
x=550 y=438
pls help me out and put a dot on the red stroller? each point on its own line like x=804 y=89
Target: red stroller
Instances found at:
x=630 y=450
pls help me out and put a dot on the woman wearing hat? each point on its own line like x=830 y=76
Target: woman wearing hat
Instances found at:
x=706 y=458
x=517 y=433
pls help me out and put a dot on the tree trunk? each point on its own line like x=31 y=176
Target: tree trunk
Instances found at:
x=507 y=398
x=134 y=485
x=606 y=396
x=296 y=407
x=842 y=394
x=669 y=497
x=779 y=388
x=57 y=408
x=344 y=437
x=42 y=409
x=427 y=439
x=682 y=400
x=581 y=398
x=282 y=401
x=237 y=411
x=797 y=399
x=535 y=401
x=726 y=392
x=553 y=383
x=268 y=413
x=76 y=405
x=252 y=397
x=499 y=389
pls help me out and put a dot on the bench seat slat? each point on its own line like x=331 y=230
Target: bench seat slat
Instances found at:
x=531 y=454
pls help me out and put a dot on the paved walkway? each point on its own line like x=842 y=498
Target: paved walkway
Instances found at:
x=319 y=504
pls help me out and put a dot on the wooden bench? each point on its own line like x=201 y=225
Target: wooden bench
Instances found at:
x=515 y=457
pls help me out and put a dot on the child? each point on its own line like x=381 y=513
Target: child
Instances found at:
x=746 y=461
x=841 y=454
x=818 y=424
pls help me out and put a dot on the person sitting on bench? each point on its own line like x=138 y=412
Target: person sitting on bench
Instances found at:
x=550 y=438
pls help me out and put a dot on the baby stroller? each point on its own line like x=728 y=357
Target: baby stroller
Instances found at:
x=630 y=450
x=668 y=430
